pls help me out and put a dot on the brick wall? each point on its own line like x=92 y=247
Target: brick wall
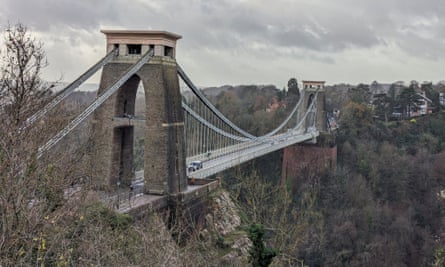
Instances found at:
x=307 y=158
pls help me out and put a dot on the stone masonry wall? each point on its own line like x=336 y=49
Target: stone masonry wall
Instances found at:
x=103 y=174
x=165 y=170
x=307 y=158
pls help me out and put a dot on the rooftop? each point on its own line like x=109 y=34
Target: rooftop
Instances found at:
x=313 y=81
x=142 y=33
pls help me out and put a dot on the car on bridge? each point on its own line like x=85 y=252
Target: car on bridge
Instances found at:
x=194 y=166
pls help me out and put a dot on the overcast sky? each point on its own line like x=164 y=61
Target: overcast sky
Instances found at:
x=252 y=42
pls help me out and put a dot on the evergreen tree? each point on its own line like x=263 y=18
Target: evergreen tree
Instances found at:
x=260 y=255
x=408 y=99
x=292 y=86
x=293 y=92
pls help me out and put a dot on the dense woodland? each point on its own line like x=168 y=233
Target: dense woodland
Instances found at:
x=381 y=206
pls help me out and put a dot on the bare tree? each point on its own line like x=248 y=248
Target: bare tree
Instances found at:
x=272 y=206
x=21 y=89
x=25 y=197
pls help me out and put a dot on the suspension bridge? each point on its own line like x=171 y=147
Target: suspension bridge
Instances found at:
x=181 y=125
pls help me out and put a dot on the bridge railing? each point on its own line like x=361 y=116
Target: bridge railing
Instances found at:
x=123 y=199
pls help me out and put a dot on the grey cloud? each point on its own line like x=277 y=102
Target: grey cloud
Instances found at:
x=44 y=14
x=217 y=24
x=316 y=30
x=222 y=24
x=236 y=27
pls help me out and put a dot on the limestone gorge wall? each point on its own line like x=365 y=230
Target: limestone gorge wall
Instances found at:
x=214 y=241
x=224 y=220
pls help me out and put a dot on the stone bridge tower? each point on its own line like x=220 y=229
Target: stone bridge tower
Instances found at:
x=164 y=155
x=303 y=160
x=311 y=88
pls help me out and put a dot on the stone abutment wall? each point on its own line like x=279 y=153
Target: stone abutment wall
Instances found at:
x=307 y=159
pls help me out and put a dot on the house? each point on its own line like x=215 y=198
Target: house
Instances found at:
x=275 y=104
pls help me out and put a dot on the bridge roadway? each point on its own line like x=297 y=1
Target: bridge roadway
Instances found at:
x=250 y=151
x=232 y=156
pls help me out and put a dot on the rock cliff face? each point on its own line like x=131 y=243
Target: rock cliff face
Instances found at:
x=219 y=242
x=224 y=217
x=224 y=220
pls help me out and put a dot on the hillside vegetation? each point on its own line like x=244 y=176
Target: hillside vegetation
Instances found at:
x=381 y=207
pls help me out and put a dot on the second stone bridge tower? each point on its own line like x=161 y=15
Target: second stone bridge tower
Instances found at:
x=113 y=132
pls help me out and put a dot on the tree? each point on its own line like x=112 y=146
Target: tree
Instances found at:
x=439 y=257
x=260 y=255
x=355 y=120
x=292 y=86
x=29 y=190
x=21 y=89
x=281 y=94
x=383 y=106
x=408 y=99
x=272 y=206
x=360 y=94
x=293 y=93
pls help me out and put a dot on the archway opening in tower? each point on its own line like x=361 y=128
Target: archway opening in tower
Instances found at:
x=128 y=137
x=309 y=102
x=139 y=134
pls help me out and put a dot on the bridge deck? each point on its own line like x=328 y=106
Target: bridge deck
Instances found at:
x=249 y=152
